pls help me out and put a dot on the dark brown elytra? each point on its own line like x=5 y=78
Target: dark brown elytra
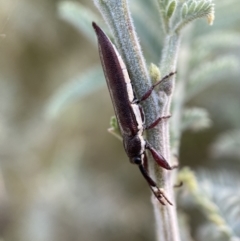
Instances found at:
x=128 y=111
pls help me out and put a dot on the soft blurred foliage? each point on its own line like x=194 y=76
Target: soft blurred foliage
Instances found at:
x=62 y=175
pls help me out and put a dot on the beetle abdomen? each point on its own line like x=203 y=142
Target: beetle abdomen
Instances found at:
x=119 y=85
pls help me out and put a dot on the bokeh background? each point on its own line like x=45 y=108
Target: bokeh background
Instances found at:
x=62 y=175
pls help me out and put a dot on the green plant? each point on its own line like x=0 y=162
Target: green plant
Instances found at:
x=198 y=70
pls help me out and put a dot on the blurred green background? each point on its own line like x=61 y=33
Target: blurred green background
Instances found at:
x=62 y=175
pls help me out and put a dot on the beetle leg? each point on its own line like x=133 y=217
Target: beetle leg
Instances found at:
x=161 y=161
x=158 y=193
x=157 y=121
x=149 y=92
x=180 y=184
x=146 y=176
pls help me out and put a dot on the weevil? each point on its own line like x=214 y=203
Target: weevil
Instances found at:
x=128 y=111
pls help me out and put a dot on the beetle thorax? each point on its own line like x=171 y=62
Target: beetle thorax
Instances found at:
x=134 y=147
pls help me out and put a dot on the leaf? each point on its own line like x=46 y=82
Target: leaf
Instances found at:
x=114 y=128
x=199 y=6
x=214 y=42
x=192 y=7
x=222 y=188
x=79 y=16
x=146 y=21
x=163 y=4
x=171 y=8
x=184 y=10
x=73 y=90
x=192 y=10
x=210 y=73
x=219 y=39
x=217 y=195
x=195 y=119
x=227 y=145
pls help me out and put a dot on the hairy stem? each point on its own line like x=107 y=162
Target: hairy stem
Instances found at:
x=166 y=217
x=180 y=95
x=117 y=16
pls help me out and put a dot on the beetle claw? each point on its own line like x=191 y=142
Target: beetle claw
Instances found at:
x=161 y=196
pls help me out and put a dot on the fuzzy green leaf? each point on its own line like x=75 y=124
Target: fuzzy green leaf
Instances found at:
x=199 y=6
x=210 y=73
x=163 y=4
x=171 y=8
x=79 y=16
x=227 y=145
x=166 y=10
x=146 y=21
x=192 y=10
x=216 y=195
x=216 y=41
x=192 y=7
x=114 y=128
x=195 y=119
x=73 y=90
x=220 y=188
x=184 y=10
x=219 y=39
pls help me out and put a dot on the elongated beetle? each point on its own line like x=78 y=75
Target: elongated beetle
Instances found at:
x=128 y=111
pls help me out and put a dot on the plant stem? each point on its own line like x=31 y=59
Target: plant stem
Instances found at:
x=166 y=216
x=179 y=95
x=117 y=15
